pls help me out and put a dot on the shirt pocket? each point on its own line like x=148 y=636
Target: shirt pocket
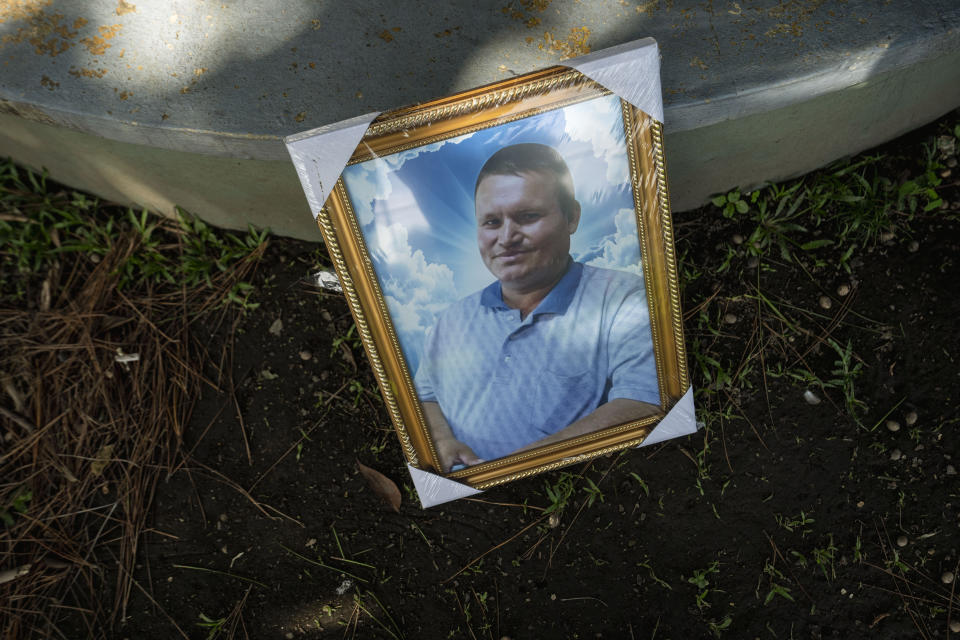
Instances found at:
x=563 y=398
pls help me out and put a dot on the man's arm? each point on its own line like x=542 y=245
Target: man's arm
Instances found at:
x=617 y=411
x=450 y=450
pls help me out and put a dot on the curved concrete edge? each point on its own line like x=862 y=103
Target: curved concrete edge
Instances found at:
x=860 y=67
x=784 y=143
x=227 y=192
x=781 y=92
x=744 y=151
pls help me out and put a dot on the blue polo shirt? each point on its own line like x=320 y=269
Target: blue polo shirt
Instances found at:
x=504 y=382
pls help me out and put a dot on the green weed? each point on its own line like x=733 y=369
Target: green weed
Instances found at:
x=19 y=504
x=593 y=492
x=700 y=580
x=731 y=203
x=559 y=493
x=824 y=558
x=774 y=588
x=797 y=523
x=213 y=627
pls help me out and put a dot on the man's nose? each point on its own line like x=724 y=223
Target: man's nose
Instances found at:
x=509 y=233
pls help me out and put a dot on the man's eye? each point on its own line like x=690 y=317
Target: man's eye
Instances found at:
x=528 y=217
x=491 y=223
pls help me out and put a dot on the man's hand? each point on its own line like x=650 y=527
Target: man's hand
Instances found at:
x=453 y=452
x=450 y=450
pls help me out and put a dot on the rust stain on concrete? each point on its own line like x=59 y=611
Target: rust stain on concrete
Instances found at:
x=523 y=11
x=574 y=45
x=87 y=73
x=124 y=7
x=651 y=6
x=21 y=9
x=792 y=16
x=98 y=45
x=48 y=33
x=49 y=83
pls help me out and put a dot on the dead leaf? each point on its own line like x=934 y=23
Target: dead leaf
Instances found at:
x=102 y=460
x=381 y=485
x=276 y=328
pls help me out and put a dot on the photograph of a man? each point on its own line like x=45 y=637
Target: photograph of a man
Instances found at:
x=553 y=348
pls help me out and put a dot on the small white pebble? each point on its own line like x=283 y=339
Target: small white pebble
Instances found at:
x=945 y=173
x=843 y=290
x=911 y=418
x=737 y=238
x=955 y=626
x=305 y=355
x=902 y=541
x=729 y=318
x=913 y=247
x=94 y=258
x=825 y=302
x=811 y=397
x=947 y=577
x=887 y=236
x=951 y=471
x=224 y=517
x=895 y=454
x=893 y=425
x=288 y=635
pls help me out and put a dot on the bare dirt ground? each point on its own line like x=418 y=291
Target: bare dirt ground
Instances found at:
x=819 y=499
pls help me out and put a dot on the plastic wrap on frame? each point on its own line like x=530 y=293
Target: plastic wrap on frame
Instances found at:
x=631 y=71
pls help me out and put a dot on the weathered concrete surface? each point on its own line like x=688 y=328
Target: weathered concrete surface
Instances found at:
x=186 y=102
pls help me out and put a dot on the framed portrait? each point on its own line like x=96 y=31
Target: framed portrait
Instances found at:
x=507 y=254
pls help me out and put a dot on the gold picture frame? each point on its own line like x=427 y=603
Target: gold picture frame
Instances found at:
x=494 y=110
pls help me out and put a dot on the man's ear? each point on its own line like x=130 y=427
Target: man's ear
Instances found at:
x=573 y=221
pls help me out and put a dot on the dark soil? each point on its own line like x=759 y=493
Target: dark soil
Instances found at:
x=779 y=519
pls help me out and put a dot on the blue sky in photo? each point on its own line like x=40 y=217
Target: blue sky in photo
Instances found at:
x=416 y=212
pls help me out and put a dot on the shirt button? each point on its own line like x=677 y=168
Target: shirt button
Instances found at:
x=506 y=359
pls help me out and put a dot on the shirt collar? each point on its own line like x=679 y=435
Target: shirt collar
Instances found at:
x=556 y=301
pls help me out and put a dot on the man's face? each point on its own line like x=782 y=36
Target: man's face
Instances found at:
x=524 y=237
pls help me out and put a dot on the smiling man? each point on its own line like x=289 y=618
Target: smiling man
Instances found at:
x=553 y=349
